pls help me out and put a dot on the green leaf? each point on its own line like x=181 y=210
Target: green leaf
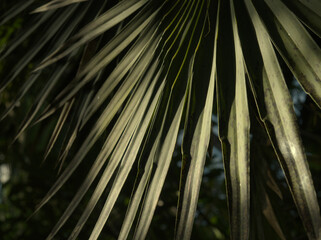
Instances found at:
x=163 y=158
x=296 y=46
x=98 y=26
x=55 y=27
x=145 y=68
x=309 y=12
x=234 y=122
x=273 y=98
x=197 y=130
x=54 y=4
x=25 y=33
x=139 y=193
x=129 y=156
x=14 y=11
x=131 y=60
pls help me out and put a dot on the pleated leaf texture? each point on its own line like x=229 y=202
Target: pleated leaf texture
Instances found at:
x=143 y=70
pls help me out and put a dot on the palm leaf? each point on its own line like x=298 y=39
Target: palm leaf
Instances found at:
x=278 y=116
x=132 y=73
x=56 y=4
x=233 y=121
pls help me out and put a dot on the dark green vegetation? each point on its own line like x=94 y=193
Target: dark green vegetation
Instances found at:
x=132 y=97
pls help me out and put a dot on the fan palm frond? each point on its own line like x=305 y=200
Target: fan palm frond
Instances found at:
x=132 y=72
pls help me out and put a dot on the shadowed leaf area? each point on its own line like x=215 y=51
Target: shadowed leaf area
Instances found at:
x=148 y=119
